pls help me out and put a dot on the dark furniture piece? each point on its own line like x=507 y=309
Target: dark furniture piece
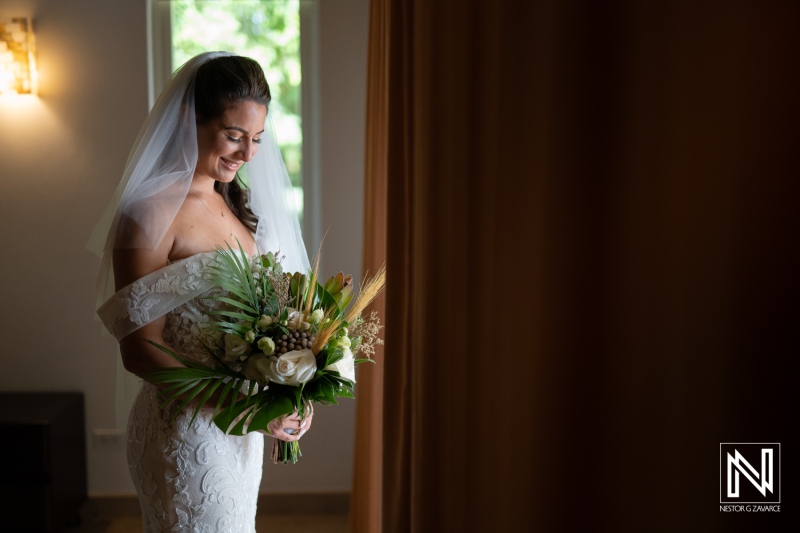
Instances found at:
x=42 y=460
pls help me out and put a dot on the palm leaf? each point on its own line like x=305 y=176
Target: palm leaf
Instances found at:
x=232 y=287
x=235 y=303
x=224 y=281
x=234 y=314
x=230 y=327
x=172 y=393
x=194 y=386
x=228 y=277
x=191 y=394
x=235 y=266
x=214 y=385
x=225 y=392
x=194 y=378
x=180 y=374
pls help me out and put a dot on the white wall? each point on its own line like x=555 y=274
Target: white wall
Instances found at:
x=61 y=155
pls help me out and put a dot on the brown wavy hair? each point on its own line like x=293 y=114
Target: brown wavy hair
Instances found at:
x=220 y=83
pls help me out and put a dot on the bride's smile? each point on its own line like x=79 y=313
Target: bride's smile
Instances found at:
x=224 y=144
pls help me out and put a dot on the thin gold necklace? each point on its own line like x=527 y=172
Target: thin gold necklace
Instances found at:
x=222 y=214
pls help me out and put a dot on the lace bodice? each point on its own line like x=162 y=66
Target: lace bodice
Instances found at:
x=189 y=478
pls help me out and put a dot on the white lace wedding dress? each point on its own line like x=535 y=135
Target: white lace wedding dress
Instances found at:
x=189 y=479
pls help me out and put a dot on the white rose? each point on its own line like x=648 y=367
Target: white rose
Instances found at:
x=266 y=345
x=235 y=347
x=293 y=368
x=346 y=366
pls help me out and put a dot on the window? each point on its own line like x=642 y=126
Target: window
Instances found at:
x=269 y=31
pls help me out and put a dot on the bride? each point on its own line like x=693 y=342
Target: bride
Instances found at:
x=181 y=197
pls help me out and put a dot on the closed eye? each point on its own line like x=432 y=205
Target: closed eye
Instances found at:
x=239 y=140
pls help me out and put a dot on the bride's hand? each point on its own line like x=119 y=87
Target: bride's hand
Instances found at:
x=291 y=427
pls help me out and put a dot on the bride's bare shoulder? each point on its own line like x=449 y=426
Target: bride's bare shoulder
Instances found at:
x=131 y=264
x=155 y=235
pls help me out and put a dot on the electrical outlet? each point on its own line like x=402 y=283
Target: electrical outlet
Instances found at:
x=108 y=439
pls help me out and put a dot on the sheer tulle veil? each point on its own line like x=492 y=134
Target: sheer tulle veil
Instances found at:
x=155 y=183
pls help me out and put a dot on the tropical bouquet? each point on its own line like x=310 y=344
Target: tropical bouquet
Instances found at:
x=286 y=342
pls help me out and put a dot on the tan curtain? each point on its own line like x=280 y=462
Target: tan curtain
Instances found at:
x=590 y=247
x=365 y=501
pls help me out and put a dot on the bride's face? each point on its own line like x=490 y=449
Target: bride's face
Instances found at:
x=224 y=144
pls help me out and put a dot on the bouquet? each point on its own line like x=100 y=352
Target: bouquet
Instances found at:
x=286 y=341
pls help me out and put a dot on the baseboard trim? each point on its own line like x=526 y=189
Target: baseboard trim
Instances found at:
x=303 y=503
x=111 y=506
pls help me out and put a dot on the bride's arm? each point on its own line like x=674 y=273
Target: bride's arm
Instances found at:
x=138 y=355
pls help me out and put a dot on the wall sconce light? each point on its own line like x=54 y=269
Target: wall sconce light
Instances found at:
x=17 y=62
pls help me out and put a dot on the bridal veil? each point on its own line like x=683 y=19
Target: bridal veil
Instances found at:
x=155 y=183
